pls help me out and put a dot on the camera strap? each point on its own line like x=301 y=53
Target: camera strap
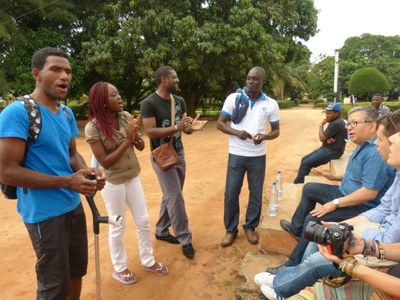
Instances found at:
x=342 y=279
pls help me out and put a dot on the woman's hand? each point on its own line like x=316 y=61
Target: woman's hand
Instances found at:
x=136 y=126
x=325 y=252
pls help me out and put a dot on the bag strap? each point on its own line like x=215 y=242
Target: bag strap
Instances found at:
x=172 y=113
x=172 y=110
x=34 y=116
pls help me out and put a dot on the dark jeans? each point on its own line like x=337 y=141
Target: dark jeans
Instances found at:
x=316 y=193
x=237 y=168
x=314 y=159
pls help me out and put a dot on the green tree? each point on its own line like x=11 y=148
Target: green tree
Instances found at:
x=211 y=44
x=28 y=26
x=320 y=78
x=367 y=81
x=367 y=50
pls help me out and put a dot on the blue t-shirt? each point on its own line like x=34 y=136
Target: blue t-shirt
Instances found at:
x=367 y=169
x=49 y=154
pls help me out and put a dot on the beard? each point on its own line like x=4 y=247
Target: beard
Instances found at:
x=173 y=88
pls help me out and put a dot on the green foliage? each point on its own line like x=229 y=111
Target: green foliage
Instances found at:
x=285 y=104
x=346 y=107
x=211 y=44
x=367 y=81
x=320 y=79
x=381 y=52
x=317 y=101
x=80 y=107
x=393 y=105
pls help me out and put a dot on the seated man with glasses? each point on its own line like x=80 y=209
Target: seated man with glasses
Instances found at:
x=381 y=224
x=365 y=181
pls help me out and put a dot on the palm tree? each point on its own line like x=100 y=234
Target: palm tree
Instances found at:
x=288 y=75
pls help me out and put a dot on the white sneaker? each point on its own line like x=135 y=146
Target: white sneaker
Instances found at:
x=268 y=292
x=264 y=278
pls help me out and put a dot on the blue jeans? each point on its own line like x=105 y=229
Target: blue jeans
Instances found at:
x=291 y=280
x=314 y=159
x=316 y=193
x=237 y=168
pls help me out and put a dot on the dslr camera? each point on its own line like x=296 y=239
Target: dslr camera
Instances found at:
x=334 y=235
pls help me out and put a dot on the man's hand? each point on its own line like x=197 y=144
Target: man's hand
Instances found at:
x=184 y=122
x=323 y=210
x=82 y=185
x=197 y=124
x=326 y=174
x=324 y=121
x=330 y=141
x=258 y=138
x=242 y=134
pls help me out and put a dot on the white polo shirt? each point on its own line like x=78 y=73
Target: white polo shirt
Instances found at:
x=264 y=110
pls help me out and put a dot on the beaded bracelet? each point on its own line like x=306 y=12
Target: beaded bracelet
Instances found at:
x=368 y=250
x=381 y=254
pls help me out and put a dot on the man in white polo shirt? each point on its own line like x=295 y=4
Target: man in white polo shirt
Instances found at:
x=248 y=111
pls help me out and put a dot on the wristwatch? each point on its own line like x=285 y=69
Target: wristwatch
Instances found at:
x=336 y=202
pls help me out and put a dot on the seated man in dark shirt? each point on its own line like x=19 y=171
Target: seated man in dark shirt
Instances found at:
x=333 y=142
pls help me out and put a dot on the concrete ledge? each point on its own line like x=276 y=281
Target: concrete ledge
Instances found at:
x=273 y=239
x=320 y=179
x=338 y=166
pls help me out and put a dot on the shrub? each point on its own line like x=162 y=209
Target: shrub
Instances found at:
x=317 y=101
x=80 y=107
x=368 y=81
x=346 y=107
x=285 y=104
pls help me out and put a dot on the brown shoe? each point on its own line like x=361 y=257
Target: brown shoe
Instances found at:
x=228 y=239
x=251 y=236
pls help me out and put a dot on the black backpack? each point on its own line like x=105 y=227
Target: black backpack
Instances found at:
x=35 y=125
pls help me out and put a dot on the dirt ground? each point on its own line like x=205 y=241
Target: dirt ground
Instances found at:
x=212 y=274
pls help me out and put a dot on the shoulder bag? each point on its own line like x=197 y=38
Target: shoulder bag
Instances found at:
x=165 y=155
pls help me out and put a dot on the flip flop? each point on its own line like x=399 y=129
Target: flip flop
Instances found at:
x=157 y=268
x=128 y=278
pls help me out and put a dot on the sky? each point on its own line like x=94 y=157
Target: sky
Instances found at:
x=341 y=19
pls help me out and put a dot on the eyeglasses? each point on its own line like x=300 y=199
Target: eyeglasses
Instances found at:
x=391 y=121
x=354 y=124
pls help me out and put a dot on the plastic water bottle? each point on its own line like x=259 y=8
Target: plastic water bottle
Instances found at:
x=279 y=185
x=273 y=201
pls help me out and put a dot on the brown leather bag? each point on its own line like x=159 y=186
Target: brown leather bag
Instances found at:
x=165 y=155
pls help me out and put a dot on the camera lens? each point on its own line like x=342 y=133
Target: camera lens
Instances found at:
x=316 y=233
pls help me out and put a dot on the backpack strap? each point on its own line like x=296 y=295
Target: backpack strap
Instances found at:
x=34 y=116
x=64 y=108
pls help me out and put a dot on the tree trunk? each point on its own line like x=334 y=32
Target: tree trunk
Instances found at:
x=191 y=99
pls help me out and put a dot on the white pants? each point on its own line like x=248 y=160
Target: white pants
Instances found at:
x=115 y=197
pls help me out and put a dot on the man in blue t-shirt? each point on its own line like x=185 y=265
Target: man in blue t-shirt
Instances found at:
x=51 y=178
x=333 y=142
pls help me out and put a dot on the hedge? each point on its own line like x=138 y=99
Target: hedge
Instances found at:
x=285 y=104
x=346 y=107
